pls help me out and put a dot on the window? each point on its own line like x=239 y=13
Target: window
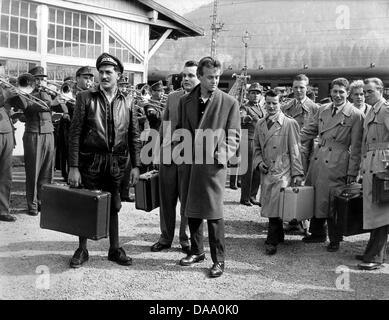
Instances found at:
x=117 y=49
x=73 y=34
x=14 y=68
x=59 y=72
x=18 y=25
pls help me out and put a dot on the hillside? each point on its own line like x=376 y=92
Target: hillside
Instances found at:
x=287 y=34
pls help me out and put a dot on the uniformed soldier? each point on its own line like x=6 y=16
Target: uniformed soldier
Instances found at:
x=7 y=143
x=375 y=150
x=155 y=106
x=336 y=159
x=301 y=108
x=250 y=113
x=277 y=156
x=38 y=140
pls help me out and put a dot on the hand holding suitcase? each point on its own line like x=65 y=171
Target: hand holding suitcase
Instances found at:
x=147 y=191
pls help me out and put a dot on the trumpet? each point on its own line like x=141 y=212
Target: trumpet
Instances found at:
x=56 y=94
x=24 y=89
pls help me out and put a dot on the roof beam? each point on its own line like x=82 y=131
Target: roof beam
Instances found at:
x=159 y=42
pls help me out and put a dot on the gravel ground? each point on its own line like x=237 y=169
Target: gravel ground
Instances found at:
x=297 y=271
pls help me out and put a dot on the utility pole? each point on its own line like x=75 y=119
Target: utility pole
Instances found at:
x=245 y=40
x=215 y=28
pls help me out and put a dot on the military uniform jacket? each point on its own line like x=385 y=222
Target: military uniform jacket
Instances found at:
x=278 y=148
x=375 y=150
x=5 y=121
x=338 y=153
x=256 y=112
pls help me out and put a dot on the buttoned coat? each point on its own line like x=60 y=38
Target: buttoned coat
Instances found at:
x=375 y=150
x=302 y=113
x=278 y=148
x=338 y=153
x=202 y=185
x=256 y=112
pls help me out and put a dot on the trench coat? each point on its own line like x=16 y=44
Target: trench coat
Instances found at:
x=337 y=155
x=302 y=114
x=375 y=150
x=202 y=185
x=278 y=148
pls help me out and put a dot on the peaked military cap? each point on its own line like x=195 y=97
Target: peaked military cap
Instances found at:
x=37 y=72
x=158 y=86
x=84 y=70
x=256 y=87
x=107 y=59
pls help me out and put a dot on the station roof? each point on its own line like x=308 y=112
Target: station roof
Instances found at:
x=181 y=26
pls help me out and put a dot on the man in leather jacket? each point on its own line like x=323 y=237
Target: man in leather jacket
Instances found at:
x=103 y=132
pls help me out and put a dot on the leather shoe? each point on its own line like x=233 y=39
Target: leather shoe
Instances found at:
x=234 y=187
x=186 y=249
x=333 y=246
x=119 y=256
x=359 y=257
x=79 y=257
x=216 y=270
x=255 y=202
x=246 y=203
x=159 y=247
x=7 y=217
x=191 y=259
x=314 y=239
x=33 y=213
x=369 y=266
x=271 y=249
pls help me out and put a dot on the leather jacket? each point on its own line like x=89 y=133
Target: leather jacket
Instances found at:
x=89 y=127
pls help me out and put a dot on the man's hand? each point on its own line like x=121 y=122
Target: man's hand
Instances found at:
x=263 y=167
x=134 y=176
x=151 y=112
x=297 y=181
x=351 y=179
x=66 y=116
x=74 y=177
x=247 y=119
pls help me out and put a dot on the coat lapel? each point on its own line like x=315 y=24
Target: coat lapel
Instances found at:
x=275 y=128
x=331 y=122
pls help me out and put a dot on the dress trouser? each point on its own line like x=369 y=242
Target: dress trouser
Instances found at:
x=318 y=228
x=376 y=247
x=125 y=184
x=104 y=171
x=39 y=159
x=251 y=179
x=6 y=147
x=275 y=231
x=215 y=235
x=169 y=194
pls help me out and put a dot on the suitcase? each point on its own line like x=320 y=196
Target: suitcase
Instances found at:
x=147 y=191
x=80 y=212
x=296 y=203
x=380 y=189
x=348 y=210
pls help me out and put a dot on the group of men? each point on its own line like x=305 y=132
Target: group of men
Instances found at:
x=325 y=146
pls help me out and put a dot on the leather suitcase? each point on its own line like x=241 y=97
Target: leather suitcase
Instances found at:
x=147 y=191
x=80 y=212
x=380 y=189
x=296 y=203
x=348 y=210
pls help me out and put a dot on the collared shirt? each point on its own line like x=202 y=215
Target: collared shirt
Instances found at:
x=203 y=102
x=302 y=101
x=339 y=108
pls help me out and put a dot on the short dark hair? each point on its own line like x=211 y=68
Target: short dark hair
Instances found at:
x=191 y=63
x=271 y=93
x=340 y=82
x=208 y=62
x=301 y=77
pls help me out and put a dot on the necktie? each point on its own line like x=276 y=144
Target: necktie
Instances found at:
x=334 y=109
x=269 y=123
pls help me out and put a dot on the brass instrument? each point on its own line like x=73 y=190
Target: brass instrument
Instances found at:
x=24 y=89
x=61 y=95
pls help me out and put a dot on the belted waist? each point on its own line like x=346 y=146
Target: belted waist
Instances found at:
x=332 y=144
x=377 y=146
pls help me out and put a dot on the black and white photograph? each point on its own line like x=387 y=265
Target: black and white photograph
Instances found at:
x=191 y=156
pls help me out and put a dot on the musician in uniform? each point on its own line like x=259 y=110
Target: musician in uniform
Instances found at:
x=301 y=108
x=104 y=130
x=169 y=184
x=38 y=139
x=250 y=113
x=277 y=156
x=336 y=159
x=7 y=143
x=375 y=150
x=155 y=106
